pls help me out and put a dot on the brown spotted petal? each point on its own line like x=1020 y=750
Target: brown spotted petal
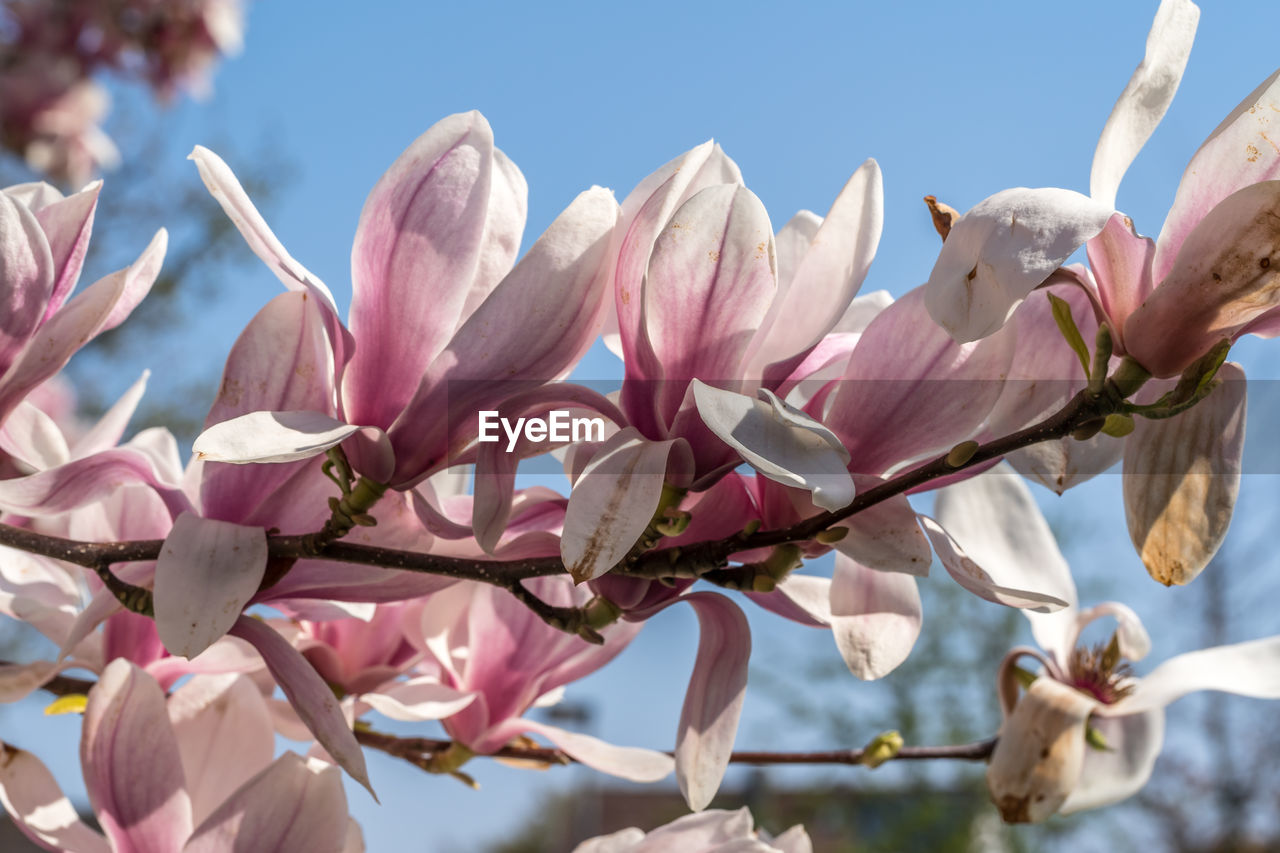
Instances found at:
x=1040 y=753
x=1226 y=274
x=1181 y=477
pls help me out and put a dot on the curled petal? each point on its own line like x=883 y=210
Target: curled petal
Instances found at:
x=834 y=264
x=1181 y=477
x=207 y=571
x=995 y=519
x=1001 y=250
x=780 y=442
x=713 y=702
x=26 y=277
x=1246 y=669
x=226 y=189
x=271 y=437
x=875 y=617
x=68 y=223
x=974 y=578
x=1144 y=101
x=1135 y=642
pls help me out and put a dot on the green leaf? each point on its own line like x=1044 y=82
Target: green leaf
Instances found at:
x=1067 y=325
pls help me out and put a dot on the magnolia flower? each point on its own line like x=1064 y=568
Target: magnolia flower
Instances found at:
x=1043 y=762
x=45 y=238
x=714 y=831
x=704 y=291
x=1207 y=278
x=162 y=776
x=489 y=659
x=443 y=325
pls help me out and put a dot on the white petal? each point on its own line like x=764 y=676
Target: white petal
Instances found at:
x=1001 y=250
x=271 y=437
x=1246 y=669
x=875 y=617
x=780 y=442
x=1144 y=101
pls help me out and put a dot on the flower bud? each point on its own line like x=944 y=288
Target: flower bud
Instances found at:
x=1041 y=750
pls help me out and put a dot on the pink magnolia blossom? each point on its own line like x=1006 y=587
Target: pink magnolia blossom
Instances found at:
x=443 y=325
x=163 y=775
x=489 y=659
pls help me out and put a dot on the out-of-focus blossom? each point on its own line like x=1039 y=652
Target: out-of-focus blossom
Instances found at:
x=50 y=51
x=714 y=831
x=489 y=659
x=1044 y=761
x=162 y=775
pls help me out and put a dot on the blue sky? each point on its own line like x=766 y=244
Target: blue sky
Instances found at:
x=959 y=100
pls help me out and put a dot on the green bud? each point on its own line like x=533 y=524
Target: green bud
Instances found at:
x=831 y=535
x=1117 y=425
x=883 y=747
x=961 y=453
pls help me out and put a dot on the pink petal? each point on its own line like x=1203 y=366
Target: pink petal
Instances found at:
x=710 y=282
x=1144 y=101
x=38 y=807
x=415 y=256
x=33 y=438
x=1239 y=152
x=800 y=598
x=308 y=694
x=713 y=702
x=84 y=481
x=504 y=226
x=1181 y=478
x=27 y=274
x=974 y=578
x=1226 y=275
x=645 y=213
x=19 y=680
x=423 y=698
x=68 y=224
x=625 y=762
x=293 y=806
x=831 y=272
x=614 y=500
x=131 y=762
x=106 y=433
x=791 y=243
x=1001 y=250
x=533 y=327
x=1245 y=669
x=207 y=571
x=226 y=189
x=910 y=391
x=886 y=537
x=1117 y=773
x=875 y=617
x=224 y=735
x=1121 y=262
